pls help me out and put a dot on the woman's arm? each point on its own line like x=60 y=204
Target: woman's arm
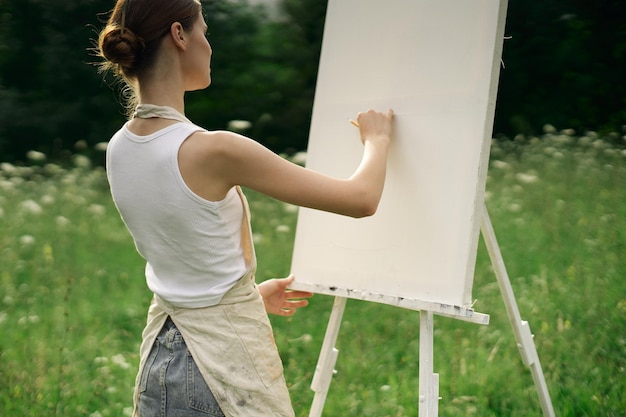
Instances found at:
x=225 y=159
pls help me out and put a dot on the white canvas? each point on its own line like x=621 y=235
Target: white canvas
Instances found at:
x=436 y=63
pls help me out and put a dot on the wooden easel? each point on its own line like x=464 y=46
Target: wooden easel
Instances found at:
x=429 y=381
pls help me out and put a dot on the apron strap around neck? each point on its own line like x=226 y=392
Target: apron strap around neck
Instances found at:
x=146 y=111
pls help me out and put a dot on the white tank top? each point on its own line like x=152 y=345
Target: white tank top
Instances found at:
x=192 y=246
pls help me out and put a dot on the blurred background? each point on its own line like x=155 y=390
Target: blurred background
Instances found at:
x=563 y=64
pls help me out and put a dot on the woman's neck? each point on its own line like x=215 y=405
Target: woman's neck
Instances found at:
x=162 y=91
x=163 y=100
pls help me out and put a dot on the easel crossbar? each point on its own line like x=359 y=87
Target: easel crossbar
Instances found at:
x=440 y=309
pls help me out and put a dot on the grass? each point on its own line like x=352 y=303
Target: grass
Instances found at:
x=73 y=298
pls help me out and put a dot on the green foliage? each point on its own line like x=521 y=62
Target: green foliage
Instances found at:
x=73 y=297
x=264 y=70
x=563 y=65
x=52 y=97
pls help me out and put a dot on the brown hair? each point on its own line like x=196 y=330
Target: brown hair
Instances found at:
x=132 y=36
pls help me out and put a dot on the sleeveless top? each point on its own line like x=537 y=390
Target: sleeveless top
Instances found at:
x=192 y=246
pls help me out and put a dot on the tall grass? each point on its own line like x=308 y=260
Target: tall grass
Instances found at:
x=73 y=298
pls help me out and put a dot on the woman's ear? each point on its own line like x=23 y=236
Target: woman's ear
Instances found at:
x=177 y=32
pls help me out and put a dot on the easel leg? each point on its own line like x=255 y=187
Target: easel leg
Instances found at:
x=328 y=357
x=429 y=382
x=522 y=332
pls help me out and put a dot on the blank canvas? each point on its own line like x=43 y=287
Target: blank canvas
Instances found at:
x=436 y=63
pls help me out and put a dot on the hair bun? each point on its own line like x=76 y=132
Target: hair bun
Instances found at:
x=121 y=46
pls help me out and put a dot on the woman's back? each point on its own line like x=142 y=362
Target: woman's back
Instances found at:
x=192 y=246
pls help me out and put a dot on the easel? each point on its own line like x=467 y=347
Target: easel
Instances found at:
x=429 y=381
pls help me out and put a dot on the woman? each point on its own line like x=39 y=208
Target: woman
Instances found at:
x=207 y=347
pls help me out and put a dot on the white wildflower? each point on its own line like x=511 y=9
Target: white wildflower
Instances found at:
x=27 y=240
x=549 y=150
x=290 y=208
x=500 y=164
x=8 y=168
x=282 y=228
x=598 y=143
x=62 y=222
x=96 y=414
x=53 y=169
x=128 y=411
x=47 y=199
x=80 y=145
x=17 y=181
x=299 y=158
x=101 y=146
x=8 y=300
x=6 y=185
x=1 y=212
x=527 y=178
x=590 y=242
x=3 y=317
x=120 y=361
x=385 y=388
x=548 y=128
x=257 y=238
x=36 y=156
x=81 y=161
x=97 y=209
x=101 y=360
x=31 y=207
x=239 y=125
x=514 y=207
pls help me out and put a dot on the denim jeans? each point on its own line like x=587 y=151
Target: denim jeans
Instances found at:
x=171 y=384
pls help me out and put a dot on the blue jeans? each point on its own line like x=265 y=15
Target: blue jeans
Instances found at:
x=171 y=384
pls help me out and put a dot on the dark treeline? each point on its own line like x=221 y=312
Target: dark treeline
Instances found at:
x=564 y=65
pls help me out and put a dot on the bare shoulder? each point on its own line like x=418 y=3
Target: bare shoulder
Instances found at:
x=209 y=161
x=225 y=151
x=218 y=143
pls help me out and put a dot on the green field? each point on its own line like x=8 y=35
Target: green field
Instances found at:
x=73 y=298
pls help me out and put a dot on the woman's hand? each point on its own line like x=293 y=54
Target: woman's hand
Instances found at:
x=375 y=126
x=279 y=300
